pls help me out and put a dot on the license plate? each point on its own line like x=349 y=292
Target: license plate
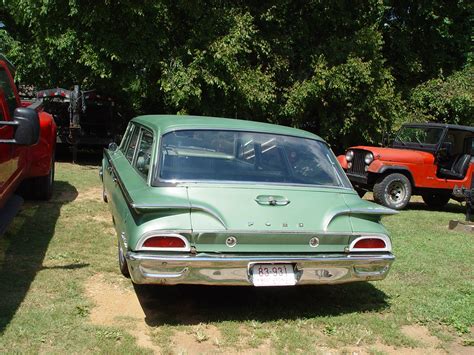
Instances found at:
x=273 y=275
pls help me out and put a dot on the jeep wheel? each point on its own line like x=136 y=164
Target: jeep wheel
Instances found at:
x=436 y=199
x=393 y=191
x=122 y=262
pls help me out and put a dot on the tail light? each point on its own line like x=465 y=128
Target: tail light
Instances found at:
x=371 y=243
x=164 y=242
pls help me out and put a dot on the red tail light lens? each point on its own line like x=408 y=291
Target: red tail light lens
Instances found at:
x=370 y=243
x=164 y=242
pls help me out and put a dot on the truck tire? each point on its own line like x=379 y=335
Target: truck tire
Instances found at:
x=393 y=191
x=41 y=187
x=122 y=262
x=436 y=199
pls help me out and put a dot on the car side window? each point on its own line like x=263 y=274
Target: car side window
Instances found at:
x=7 y=88
x=126 y=137
x=132 y=144
x=143 y=159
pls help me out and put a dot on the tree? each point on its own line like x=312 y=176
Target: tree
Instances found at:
x=343 y=70
x=449 y=100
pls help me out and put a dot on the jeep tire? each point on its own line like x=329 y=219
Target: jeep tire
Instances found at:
x=393 y=191
x=436 y=199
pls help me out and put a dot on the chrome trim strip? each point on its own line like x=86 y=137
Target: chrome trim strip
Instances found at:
x=184 y=182
x=282 y=231
x=143 y=207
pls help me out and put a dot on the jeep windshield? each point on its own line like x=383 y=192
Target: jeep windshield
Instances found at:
x=417 y=136
x=247 y=157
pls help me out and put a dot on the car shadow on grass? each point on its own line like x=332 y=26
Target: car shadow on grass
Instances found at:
x=190 y=305
x=24 y=245
x=451 y=207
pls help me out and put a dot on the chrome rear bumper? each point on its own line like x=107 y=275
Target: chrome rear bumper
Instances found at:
x=207 y=269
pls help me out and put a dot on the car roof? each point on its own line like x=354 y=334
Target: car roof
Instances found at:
x=167 y=123
x=441 y=125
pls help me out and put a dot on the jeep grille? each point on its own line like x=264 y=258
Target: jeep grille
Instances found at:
x=358 y=164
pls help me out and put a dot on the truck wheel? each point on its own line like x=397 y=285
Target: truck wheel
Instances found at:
x=393 y=191
x=436 y=199
x=122 y=262
x=42 y=186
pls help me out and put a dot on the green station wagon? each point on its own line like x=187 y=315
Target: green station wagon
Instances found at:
x=214 y=201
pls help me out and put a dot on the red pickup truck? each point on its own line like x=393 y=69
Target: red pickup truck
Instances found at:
x=27 y=142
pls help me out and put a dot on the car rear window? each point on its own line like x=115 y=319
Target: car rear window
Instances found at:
x=212 y=155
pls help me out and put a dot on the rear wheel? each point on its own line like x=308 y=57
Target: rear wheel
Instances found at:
x=393 y=191
x=436 y=199
x=41 y=187
x=123 y=266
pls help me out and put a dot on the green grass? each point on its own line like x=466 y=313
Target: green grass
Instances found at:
x=53 y=248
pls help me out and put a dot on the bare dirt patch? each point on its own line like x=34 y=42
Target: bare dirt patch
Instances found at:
x=120 y=307
x=421 y=334
x=116 y=306
x=203 y=339
x=103 y=218
x=94 y=194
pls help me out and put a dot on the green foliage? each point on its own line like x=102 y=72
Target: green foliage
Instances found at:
x=449 y=100
x=424 y=39
x=345 y=72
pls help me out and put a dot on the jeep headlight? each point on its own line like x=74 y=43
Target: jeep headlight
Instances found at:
x=369 y=157
x=349 y=155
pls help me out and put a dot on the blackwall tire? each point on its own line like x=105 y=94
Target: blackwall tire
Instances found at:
x=41 y=187
x=393 y=191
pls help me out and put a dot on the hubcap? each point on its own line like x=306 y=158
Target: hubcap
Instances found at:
x=396 y=192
